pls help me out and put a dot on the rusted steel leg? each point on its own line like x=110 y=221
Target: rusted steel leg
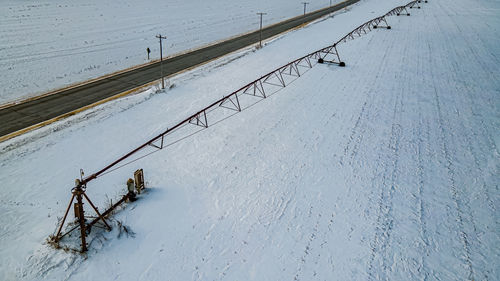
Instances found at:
x=297 y=69
x=206 y=121
x=238 y=102
x=95 y=209
x=81 y=218
x=386 y=24
x=56 y=239
x=341 y=63
x=262 y=88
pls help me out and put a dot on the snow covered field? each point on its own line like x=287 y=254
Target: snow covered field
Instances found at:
x=386 y=169
x=87 y=39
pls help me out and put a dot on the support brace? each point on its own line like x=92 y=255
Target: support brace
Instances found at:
x=78 y=192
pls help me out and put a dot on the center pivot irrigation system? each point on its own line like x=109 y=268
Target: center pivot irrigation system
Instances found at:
x=231 y=104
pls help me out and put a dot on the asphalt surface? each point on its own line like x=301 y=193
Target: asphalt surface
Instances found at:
x=26 y=114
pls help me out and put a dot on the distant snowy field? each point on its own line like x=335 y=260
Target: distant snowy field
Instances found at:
x=387 y=169
x=45 y=44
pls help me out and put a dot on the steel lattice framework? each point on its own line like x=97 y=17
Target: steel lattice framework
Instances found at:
x=257 y=88
x=231 y=104
x=376 y=22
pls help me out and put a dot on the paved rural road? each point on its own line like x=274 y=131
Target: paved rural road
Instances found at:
x=26 y=114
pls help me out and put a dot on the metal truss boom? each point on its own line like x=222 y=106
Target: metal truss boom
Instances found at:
x=256 y=88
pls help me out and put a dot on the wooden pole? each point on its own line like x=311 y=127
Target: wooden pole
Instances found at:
x=305 y=4
x=260 y=34
x=161 y=60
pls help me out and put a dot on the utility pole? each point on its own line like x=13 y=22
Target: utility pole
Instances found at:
x=305 y=4
x=260 y=35
x=330 y=3
x=161 y=60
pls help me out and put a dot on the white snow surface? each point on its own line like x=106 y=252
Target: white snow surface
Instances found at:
x=387 y=169
x=45 y=45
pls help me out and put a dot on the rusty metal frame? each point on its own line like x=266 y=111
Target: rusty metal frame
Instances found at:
x=374 y=23
x=256 y=88
x=260 y=88
x=200 y=119
x=78 y=192
x=276 y=78
x=401 y=10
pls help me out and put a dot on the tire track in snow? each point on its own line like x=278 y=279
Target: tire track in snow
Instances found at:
x=387 y=158
x=311 y=252
x=307 y=248
x=461 y=200
x=453 y=190
x=419 y=142
x=358 y=130
x=478 y=233
x=420 y=204
x=356 y=136
x=481 y=61
x=277 y=201
x=385 y=219
x=463 y=194
x=476 y=159
x=478 y=146
x=479 y=176
x=477 y=123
